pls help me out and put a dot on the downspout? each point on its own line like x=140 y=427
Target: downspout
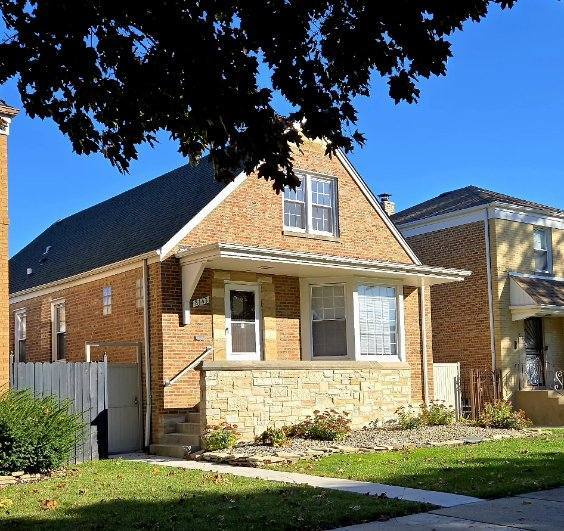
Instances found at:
x=425 y=373
x=490 y=288
x=147 y=353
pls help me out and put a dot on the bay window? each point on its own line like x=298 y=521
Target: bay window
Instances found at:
x=312 y=206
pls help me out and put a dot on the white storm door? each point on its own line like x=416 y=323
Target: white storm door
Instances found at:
x=242 y=322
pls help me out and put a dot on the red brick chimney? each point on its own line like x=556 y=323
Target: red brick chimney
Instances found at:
x=6 y=115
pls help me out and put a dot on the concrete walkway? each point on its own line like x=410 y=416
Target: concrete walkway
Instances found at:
x=540 y=511
x=440 y=499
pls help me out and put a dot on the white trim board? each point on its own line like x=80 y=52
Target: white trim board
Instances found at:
x=480 y=213
x=376 y=205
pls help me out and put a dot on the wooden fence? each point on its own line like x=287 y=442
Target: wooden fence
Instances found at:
x=446 y=385
x=84 y=385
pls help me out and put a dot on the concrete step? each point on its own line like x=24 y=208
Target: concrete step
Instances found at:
x=188 y=427
x=169 y=450
x=183 y=439
x=193 y=417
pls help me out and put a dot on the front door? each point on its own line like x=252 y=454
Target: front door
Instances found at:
x=534 y=351
x=242 y=322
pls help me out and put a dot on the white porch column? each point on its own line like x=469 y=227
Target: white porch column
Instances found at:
x=191 y=273
x=424 y=343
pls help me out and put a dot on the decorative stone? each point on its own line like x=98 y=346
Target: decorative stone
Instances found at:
x=18 y=474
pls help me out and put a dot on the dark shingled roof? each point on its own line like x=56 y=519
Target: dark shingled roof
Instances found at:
x=132 y=223
x=544 y=291
x=469 y=196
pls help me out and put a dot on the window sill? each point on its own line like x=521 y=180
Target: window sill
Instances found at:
x=311 y=236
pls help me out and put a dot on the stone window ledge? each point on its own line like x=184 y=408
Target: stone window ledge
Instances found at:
x=312 y=236
x=300 y=365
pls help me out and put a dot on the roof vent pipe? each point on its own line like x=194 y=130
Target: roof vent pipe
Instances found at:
x=29 y=271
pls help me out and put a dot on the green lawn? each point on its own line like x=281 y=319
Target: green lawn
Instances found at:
x=487 y=470
x=110 y=494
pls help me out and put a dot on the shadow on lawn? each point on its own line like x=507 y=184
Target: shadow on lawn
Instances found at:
x=277 y=508
x=485 y=477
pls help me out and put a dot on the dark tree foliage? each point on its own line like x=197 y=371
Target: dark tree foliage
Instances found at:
x=112 y=73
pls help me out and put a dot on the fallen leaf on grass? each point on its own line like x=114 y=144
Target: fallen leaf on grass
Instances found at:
x=49 y=505
x=82 y=492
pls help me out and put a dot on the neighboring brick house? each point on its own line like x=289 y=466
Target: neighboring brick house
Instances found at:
x=6 y=115
x=308 y=299
x=509 y=314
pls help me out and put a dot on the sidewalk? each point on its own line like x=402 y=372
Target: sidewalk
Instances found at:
x=440 y=499
x=539 y=511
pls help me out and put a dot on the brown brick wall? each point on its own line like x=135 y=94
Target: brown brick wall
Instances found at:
x=252 y=215
x=85 y=321
x=461 y=329
x=4 y=315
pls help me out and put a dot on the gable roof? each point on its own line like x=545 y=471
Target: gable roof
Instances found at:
x=467 y=197
x=133 y=223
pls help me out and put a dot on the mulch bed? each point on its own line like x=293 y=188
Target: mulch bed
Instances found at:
x=360 y=441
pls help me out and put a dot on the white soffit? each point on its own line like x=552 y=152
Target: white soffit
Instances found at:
x=277 y=262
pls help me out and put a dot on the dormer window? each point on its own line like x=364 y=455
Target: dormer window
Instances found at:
x=542 y=249
x=312 y=206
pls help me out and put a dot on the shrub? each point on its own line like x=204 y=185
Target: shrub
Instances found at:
x=327 y=426
x=36 y=434
x=408 y=418
x=500 y=414
x=273 y=437
x=437 y=414
x=220 y=437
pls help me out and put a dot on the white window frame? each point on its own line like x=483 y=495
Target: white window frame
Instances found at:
x=17 y=319
x=548 y=237
x=54 y=304
x=352 y=316
x=307 y=178
x=139 y=293
x=243 y=356
x=107 y=300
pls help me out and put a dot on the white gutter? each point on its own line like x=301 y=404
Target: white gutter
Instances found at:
x=425 y=373
x=490 y=289
x=147 y=353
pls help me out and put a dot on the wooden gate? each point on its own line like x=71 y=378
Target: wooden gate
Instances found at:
x=446 y=382
x=84 y=385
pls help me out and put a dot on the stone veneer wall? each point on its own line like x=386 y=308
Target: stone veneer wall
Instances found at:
x=255 y=396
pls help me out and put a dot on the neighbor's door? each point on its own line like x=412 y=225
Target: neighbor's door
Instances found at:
x=242 y=322
x=534 y=351
x=124 y=408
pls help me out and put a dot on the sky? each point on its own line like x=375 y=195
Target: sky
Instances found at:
x=496 y=121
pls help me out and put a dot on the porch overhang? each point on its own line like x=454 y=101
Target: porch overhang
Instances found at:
x=535 y=296
x=232 y=257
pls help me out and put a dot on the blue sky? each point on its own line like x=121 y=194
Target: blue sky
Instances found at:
x=496 y=120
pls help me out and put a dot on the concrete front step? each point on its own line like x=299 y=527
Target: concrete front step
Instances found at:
x=543 y=407
x=188 y=427
x=170 y=450
x=183 y=439
x=193 y=417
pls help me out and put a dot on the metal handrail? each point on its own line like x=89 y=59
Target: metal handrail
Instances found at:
x=192 y=365
x=553 y=377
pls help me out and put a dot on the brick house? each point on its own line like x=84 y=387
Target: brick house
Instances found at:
x=509 y=314
x=6 y=115
x=252 y=307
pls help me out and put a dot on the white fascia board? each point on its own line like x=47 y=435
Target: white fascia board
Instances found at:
x=530 y=216
x=256 y=254
x=376 y=205
x=443 y=221
x=83 y=278
x=169 y=246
